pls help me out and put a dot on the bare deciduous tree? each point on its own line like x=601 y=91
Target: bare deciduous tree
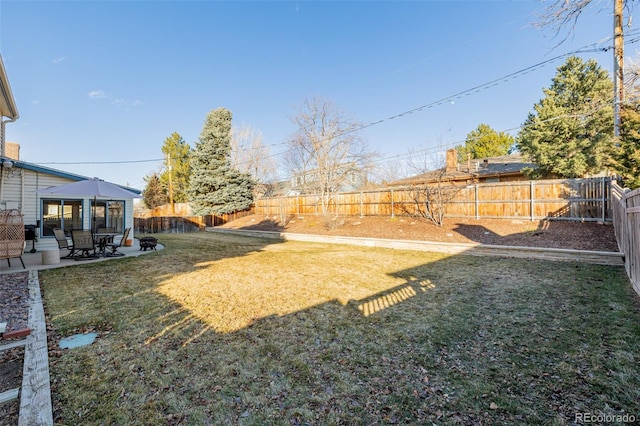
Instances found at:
x=430 y=200
x=388 y=172
x=421 y=161
x=414 y=162
x=326 y=149
x=562 y=15
x=250 y=155
x=632 y=80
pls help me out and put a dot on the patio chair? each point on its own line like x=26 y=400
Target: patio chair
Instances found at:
x=106 y=231
x=115 y=245
x=9 y=249
x=84 y=247
x=63 y=243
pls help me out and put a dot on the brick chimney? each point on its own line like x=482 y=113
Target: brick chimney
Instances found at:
x=451 y=164
x=12 y=150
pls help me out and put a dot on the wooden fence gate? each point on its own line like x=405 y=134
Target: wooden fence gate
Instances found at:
x=626 y=221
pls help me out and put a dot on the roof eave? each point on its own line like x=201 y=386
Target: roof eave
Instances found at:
x=8 y=106
x=58 y=173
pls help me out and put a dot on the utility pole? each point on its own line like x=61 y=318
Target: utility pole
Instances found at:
x=618 y=65
x=173 y=211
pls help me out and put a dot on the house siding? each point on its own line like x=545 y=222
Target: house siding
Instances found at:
x=20 y=188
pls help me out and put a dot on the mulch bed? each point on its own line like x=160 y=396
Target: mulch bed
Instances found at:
x=14 y=300
x=14 y=310
x=525 y=233
x=11 y=363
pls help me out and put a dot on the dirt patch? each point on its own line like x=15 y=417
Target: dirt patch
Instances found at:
x=551 y=234
x=11 y=362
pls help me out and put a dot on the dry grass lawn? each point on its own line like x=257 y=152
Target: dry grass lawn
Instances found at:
x=220 y=329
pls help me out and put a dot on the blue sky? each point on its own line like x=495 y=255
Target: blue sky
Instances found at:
x=108 y=81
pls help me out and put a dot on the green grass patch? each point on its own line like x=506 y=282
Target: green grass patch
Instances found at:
x=222 y=329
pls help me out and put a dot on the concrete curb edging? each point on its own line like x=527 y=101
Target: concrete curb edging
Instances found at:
x=553 y=254
x=35 y=395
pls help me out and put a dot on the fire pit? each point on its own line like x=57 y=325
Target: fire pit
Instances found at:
x=148 y=243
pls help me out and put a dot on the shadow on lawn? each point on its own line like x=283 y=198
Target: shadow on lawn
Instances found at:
x=439 y=347
x=547 y=233
x=134 y=280
x=484 y=235
x=267 y=225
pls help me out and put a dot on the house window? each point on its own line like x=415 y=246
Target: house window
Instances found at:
x=107 y=214
x=62 y=214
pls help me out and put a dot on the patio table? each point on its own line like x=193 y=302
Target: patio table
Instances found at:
x=101 y=240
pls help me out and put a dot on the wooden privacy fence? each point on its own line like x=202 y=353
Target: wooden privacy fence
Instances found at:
x=626 y=221
x=168 y=224
x=181 y=224
x=565 y=199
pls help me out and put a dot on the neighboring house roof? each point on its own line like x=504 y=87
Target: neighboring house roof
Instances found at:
x=345 y=177
x=484 y=168
x=281 y=188
x=7 y=103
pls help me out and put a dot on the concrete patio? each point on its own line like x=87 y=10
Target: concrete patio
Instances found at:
x=35 y=392
x=33 y=261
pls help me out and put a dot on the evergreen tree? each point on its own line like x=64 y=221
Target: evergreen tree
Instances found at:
x=215 y=186
x=177 y=153
x=571 y=132
x=485 y=142
x=628 y=150
x=153 y=194
x=628 y=153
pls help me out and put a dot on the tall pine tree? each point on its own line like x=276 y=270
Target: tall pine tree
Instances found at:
x=153 y=194
x=628 y=150
x=215 y=186
x=571 y=132
x=177 y=167
x=485 y=142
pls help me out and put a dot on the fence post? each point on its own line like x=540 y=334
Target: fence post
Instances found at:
x=361 y=205
x=393 y=208
x=475 y=196
x=531 y=203
x=603 y=200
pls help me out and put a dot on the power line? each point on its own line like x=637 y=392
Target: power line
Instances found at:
x=594 y=47
x=443 y=147
x=585 y=49
x=103 y=162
